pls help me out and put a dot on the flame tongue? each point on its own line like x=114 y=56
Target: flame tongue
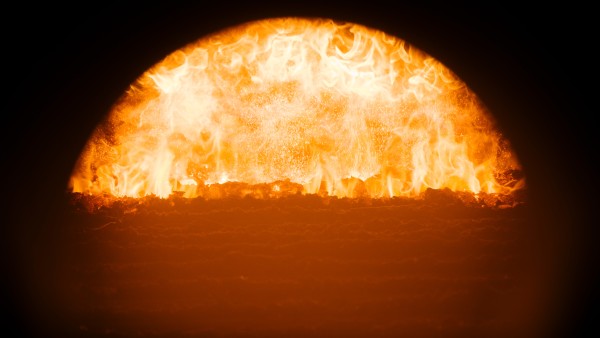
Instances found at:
x=337 y=108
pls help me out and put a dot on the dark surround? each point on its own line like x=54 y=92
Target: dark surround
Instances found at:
x=67 y=66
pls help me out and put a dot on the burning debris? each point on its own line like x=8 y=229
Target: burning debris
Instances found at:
x=239 y=194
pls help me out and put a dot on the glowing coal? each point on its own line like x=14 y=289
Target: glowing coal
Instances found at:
x=295 y=265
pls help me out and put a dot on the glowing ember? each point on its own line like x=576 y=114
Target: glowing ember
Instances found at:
x=313 y=106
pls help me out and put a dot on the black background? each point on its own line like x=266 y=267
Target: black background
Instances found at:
x=534 y=68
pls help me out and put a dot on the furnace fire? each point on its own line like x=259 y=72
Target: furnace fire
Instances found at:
x=324 y=107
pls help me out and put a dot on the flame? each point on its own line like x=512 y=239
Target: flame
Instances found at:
x=333 y=108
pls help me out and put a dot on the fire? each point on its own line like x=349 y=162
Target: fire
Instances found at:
x=307 y=105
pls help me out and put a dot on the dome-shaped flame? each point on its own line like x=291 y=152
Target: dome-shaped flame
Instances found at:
x=334 y=108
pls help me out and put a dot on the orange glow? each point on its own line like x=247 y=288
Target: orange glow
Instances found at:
x=296 y=105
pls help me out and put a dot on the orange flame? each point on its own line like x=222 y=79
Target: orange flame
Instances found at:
x=336 y=108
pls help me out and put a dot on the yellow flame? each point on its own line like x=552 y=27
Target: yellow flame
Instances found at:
x=337 y=108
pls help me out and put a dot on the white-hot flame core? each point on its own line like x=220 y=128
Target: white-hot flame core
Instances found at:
x=314 y=102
